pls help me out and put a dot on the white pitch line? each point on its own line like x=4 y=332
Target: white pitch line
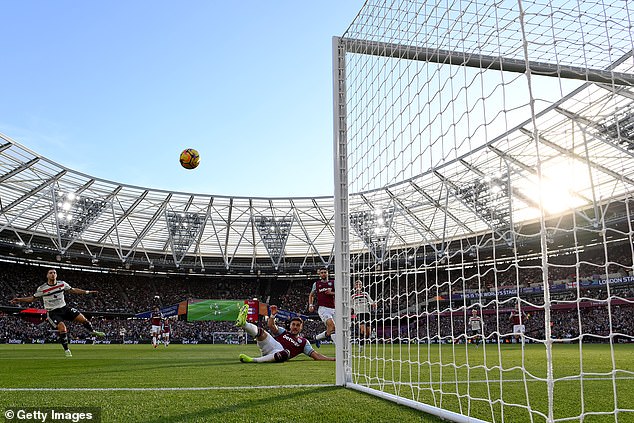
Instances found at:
x=322 y=385
x=192 y=388
x=453 y=382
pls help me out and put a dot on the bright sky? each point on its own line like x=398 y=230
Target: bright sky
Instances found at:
x=117 y=89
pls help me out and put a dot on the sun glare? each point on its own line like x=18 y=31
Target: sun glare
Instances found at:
x=562 y=182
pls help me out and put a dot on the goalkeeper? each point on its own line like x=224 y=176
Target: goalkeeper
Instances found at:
x=279 y=345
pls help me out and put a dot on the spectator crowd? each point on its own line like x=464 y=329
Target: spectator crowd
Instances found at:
x=414 y=306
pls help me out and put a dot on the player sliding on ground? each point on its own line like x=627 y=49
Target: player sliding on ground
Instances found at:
x=279 y=345
x=52 y=293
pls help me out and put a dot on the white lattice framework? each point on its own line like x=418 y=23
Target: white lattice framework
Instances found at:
x=116 y=224
x=499 y=135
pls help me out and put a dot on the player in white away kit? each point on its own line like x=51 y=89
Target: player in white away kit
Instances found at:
x=52 y=294
x=477 y=327
x=362 y=304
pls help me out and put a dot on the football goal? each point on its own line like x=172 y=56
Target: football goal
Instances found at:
x=484 y=179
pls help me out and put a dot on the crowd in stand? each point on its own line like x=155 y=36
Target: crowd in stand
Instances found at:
x=411 y=306
x=118 y=330
x=596 y=323
x=134 y=294
x=122 y=296
x=447 y=278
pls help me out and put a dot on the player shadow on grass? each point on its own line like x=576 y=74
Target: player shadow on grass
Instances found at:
x=242 y=410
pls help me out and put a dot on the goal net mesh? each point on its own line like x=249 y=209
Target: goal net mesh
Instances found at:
x=484 y=152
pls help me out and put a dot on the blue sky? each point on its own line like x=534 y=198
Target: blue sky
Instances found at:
x=117 y=89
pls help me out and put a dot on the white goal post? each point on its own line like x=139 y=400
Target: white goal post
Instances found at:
x=484 y=207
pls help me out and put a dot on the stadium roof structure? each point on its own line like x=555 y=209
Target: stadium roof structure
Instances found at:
x=495 y=186
x=67 y=212
x=48 y=206
x=488 y=191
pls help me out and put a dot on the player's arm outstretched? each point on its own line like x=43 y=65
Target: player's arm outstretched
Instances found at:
x=270 y=323
x=22 y=300
x=311 y=299
x=371 y=302
x=320 y=357
x=81 y=291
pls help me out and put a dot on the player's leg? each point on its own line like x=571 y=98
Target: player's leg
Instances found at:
x=155 y=335
x=56 y=321
x=330 y=327
x=366 y=332
x=272 y=351
x=327 y=334
x=80 y=318
x=256 y=332
x=518 y=334
x=242 y=315
x=63 y=338
x=521 y=334
x=321 y=336
x=276 y=357
x=327 y=316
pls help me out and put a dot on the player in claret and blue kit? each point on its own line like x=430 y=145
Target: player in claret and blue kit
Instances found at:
x=518 y=318
x=322 y=296
x=156 y=321
x=279 y=345
x=165 y=331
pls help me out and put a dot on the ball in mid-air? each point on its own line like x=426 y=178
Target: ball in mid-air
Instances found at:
x=190 y=158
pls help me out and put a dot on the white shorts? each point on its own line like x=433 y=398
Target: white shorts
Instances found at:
x=269 y=345
x=326 y=313
x=155 y=329
x=519 y=329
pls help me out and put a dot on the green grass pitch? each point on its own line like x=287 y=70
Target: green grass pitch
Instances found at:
x=202 y=383
x=241 y=399
x=507 y=382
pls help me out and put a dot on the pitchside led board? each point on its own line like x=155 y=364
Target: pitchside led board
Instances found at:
x=219 y=310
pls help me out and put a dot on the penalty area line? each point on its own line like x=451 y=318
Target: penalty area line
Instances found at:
x=183 y=388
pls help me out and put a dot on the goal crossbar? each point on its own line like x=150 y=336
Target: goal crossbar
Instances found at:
x=458 y=58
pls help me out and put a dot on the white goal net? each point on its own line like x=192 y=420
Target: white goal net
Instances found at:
x=484 y=171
